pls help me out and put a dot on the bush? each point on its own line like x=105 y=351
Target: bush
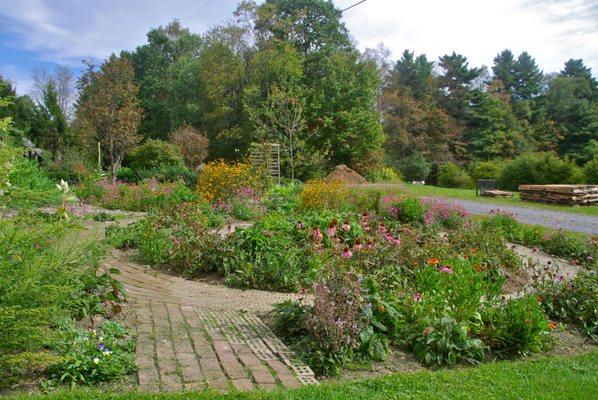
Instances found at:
x=168 y=174
x=92 y=356
x=220 y=180
x=131 y=197
x=384 y=174
x=321 y=195
x=590 y=171
x=573 y=302
x=409 y=210
x=452 y=176
x=415 y=167
x=490 y=169
x=155 y=154
x=72 y=168
x=517 y=327
x=538 y=169
x=193 y=146
x=23 y=184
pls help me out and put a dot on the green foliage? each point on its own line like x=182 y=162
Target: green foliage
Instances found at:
x=90 y=357
x=447 y=343
x=410 y=210
x=451 y=175
x=490 y=169
x=516 y=327
x=155 y=154
x=142 y=197
x=541 y=168
x=573 y=302
x=384 y=174
x=591 y=171
x=416 y=167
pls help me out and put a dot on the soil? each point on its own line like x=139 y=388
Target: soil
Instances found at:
x=346 y=175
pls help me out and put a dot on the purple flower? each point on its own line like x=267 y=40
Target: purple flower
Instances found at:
x=417 y=297
x=299 y=225
x=446 y=269
x=346 y=253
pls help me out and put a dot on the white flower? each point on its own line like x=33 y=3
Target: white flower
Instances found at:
x=107 y=352
x=101 y=338
x=96 y=360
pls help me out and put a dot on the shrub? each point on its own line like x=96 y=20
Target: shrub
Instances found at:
x=23 y=184
x=155 y=154
x=591 y=171
x=415 y=167
x=283 y=198
x=167 y=174
x=131 y=197
x=220 y=180
x=193 y=146
x=321 y=195
x=573 y=302
x=384 y=174
x=73 y=167
x=92 y=356
x=540 y=168
x=409 y=210
x=452 y=176
x=490 y=169
x=516 y=327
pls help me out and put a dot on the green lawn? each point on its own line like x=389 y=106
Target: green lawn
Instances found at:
x=573 y=377
x=469 y=194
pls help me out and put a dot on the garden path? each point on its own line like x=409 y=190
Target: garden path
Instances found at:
x=193 y=335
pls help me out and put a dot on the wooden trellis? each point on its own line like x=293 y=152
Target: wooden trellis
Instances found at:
x=267 y=156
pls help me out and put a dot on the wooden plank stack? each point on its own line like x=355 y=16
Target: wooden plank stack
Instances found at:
x=560 y=194
x=496 y=193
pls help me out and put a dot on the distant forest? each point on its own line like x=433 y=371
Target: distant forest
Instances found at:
x=287 y=70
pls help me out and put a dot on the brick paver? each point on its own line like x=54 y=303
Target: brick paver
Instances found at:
x=193 y=335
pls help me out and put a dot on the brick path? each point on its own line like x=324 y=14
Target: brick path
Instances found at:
x=193 y=335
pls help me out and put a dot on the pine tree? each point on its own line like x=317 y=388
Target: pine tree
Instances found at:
x=527 y=77
x=503 y=69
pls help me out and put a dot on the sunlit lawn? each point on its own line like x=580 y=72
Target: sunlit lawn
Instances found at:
x=469 y=194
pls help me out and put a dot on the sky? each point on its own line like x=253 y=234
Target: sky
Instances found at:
x=45 y=33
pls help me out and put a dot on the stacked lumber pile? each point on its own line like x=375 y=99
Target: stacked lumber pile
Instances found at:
x=496 y=193
x=560 y=194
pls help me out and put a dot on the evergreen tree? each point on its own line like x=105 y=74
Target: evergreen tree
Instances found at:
x=504 y=69
x=527 y=77
x=455 y=83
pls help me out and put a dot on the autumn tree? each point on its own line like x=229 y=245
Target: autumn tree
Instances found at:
x=192 y=144
x=111 y=113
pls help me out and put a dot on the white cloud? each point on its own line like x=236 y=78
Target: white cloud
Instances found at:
x=65 y=31
x=20 y=78
x=551 y=31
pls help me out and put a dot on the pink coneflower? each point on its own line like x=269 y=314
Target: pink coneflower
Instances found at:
x=397 y=241
x=417 y=297
x=366 y=227
x=346 y=253
x=317 y=235
x=331 y=230
x=446 y=269
x=346 y=226
x=299 y=225
x=357 y=246
x=370 y=244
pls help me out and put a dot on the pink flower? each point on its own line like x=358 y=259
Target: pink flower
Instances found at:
x=317 y=235
x=346 y=227
x=370 y=244
x=446 y=269
x=396 y=242
x=357 y=246
x=299 y=225
x=331 y=231
x=417 y=297
x=346 y=253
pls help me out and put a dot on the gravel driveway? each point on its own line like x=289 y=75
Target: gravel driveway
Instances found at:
x=551 y=219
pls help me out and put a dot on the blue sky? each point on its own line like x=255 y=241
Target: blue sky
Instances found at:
x=45 y=33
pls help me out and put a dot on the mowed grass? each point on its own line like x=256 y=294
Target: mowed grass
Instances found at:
x=469 y=194
x=574 y=377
